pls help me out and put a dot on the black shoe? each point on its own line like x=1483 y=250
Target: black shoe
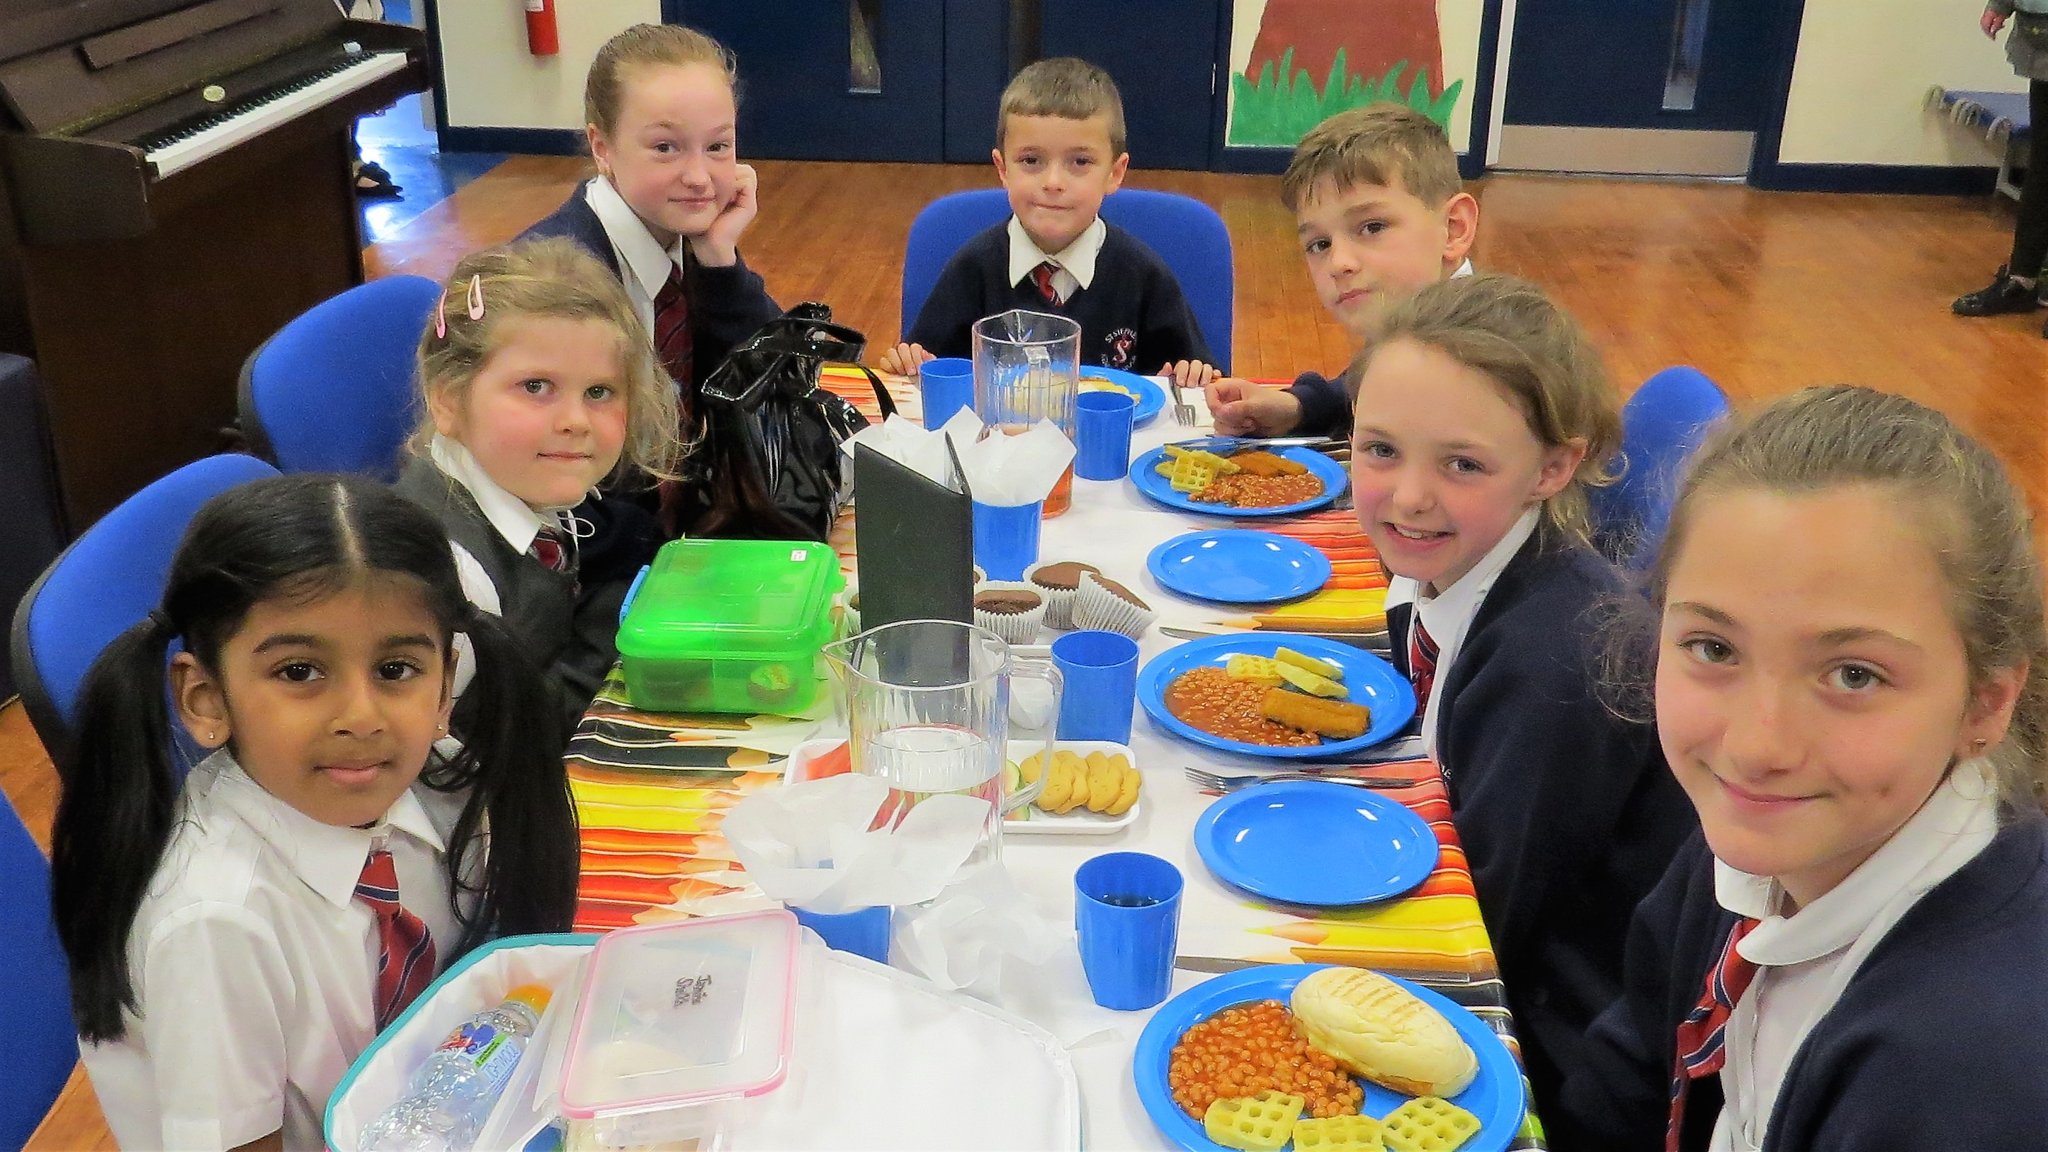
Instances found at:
x=2004 y=295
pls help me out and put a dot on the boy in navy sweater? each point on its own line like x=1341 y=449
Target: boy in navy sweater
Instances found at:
x=1482 y=411
x=1375 y=191
x=1852 y=688
x=1059 y=152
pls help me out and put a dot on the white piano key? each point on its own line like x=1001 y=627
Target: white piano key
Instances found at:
x=258 y=119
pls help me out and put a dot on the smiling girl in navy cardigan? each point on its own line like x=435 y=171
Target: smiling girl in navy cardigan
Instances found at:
x=1852 y=687
x=1482 y=413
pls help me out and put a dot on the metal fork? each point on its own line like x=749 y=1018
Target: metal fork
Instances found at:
x=1223 y=782
x=1183 y=412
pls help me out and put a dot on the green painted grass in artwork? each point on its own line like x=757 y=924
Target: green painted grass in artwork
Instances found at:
x=1274 y=112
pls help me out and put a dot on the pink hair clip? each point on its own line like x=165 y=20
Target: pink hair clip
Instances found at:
x=476 y=297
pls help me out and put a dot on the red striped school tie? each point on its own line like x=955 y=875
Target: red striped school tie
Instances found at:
x=1702 y=1036
x=1421 y=660
x=1042 y=276
x=672 y=338
x=405 y=949
x=550 y=549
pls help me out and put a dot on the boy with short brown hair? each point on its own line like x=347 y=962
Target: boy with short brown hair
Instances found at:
x=1381 y=214
x=1059 y=152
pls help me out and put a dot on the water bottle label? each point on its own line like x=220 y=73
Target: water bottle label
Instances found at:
x=472 y=1040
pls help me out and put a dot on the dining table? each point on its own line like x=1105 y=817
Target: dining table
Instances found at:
x=652 y=789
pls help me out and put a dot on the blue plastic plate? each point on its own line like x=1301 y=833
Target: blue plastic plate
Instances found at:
x=1160 y=490
x=1372 y=681
x=1151 y=397
x=1239 y=566
x=1495 y=1095
x=1316 y=844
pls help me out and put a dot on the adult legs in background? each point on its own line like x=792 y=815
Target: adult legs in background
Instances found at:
x=2017 y=287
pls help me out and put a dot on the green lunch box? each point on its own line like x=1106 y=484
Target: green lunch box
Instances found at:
x=730 y=626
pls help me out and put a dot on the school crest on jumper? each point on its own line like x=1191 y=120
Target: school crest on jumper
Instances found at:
x=1120 y=349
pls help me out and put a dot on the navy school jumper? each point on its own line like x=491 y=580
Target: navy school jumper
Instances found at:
x=1567 y=813
x=1132 y=316
x=1939 y=1040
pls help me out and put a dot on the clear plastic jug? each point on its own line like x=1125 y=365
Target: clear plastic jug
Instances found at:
x=1027 y=368
x=927 y=705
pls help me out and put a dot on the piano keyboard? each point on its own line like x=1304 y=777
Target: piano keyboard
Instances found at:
x=203 y=139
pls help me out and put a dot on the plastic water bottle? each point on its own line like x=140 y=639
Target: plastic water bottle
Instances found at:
x=455 y=1089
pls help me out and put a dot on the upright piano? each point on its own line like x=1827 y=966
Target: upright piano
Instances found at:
x=174 y=186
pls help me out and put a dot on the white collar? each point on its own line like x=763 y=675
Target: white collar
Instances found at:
x=1077 y=258
x=638 y=250
x=327 y=858
x=1462 y=599
x=1948 y=831
x=517 y=522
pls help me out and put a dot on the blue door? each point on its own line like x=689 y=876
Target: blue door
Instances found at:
x=833 y=79
x=1643 y=86
x=1162 y=54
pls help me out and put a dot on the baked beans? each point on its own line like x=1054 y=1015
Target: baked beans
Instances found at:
x=1248 y=1049
x=1244 y=490
x=1209 y=699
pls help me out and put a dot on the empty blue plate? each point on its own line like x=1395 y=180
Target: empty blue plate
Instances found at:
x=1370 y=681
x=1316 y=844
x=1239 y=566
x=1495 y=1094
x=1151 y=397
x=1145 y=474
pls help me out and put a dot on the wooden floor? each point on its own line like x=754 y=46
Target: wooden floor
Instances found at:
x=1765 y=292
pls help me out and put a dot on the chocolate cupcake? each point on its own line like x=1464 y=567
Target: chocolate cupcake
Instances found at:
x=1010 y=610
x=1105 y=604
x=1059 y=580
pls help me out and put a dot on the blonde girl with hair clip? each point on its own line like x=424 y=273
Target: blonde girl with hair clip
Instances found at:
x=1851 y=683
x=537 y=382
x=1482 y=414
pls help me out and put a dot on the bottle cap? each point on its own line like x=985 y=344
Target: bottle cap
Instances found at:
x=534 y=996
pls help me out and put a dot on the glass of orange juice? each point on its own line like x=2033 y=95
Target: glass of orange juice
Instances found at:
x=1027 y=368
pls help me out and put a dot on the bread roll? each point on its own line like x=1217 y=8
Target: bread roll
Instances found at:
x=1377 y=1029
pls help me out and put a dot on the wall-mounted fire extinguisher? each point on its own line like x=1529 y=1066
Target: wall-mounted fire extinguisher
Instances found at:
x=541 y=37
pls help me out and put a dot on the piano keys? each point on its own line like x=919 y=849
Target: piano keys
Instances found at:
x=174 y=186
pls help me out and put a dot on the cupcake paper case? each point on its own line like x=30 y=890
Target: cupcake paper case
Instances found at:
x=1059 y=582
x=1105 y=604
x=1010 y=609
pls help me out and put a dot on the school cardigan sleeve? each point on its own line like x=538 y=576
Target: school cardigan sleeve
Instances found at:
x=1567 y=813
x=727 y=305
x=1325 y=405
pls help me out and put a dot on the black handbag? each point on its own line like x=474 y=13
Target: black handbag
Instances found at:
x=766 y=464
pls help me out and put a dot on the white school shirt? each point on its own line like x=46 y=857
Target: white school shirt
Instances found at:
x=643 y=262
x=1806 y=959
x=1076 y=261
x=1448 y=615
x=508 y=514
x=255 y=966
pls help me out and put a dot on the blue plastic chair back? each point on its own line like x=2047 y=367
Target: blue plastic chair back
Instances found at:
x=1662 y=424
x=1186 y=233
x=35 y=1015
x=333 y=390
x=104 y=584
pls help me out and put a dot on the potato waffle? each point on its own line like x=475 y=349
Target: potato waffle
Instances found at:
x=1337 y=1134
x=1428 y=1124
x=1261 y=1123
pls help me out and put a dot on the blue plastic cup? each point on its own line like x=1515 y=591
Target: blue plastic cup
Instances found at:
x=1006 y=538
x=1127 y=916
x=1100 y=670
x=1102 y=449
x=947 y=386
x=863 y=931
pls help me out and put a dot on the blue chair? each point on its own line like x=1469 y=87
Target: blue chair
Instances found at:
x=35 y=1015
x=104 y=584
x=1185 y=232
x=333 y=390
x=1661 y=425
